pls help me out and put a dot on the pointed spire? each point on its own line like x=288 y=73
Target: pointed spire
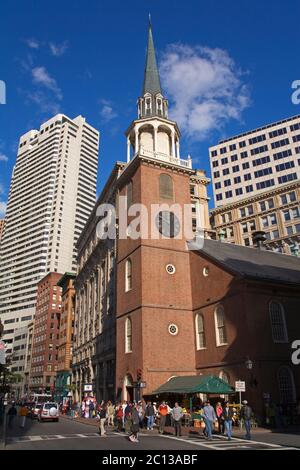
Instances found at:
x=151 y=77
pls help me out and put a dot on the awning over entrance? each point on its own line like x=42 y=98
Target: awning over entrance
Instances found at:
x=195 y=384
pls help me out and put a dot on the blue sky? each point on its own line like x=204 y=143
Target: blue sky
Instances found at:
x=226 y=67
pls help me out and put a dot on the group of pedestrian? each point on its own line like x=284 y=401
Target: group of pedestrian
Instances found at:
x=133 y=416
x=223 y=416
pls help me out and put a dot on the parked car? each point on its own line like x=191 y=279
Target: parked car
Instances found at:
x=48 y=411
x=34 y=412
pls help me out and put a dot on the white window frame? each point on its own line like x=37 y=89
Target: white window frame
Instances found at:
x=218 y=342
x=128 y=284
x=128 y=345
x=283 y=321
x=199 y=347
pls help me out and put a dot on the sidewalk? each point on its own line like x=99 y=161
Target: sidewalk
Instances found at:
x=185 y=429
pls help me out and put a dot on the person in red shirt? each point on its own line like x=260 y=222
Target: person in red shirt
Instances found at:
x=163 y=411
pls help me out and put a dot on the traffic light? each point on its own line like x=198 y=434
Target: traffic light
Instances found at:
x=139 y=374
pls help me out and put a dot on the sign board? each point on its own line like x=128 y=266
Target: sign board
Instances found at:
x=88 y=388
x=2 y=352
x=143 y=385
x=240 y=386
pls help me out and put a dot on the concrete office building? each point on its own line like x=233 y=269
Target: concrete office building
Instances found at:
x=52 y=192
x=1 y=228
x=276 y=212
x=252 y=162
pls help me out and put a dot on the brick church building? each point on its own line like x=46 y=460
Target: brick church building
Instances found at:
x=178 y=308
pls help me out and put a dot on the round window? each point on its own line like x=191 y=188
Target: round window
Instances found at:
x=173 y=329
x=170 y=268
x=205 y=271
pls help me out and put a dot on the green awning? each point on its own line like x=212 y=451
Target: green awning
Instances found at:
x=191 y=384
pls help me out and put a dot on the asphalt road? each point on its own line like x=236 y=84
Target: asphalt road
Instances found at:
x=68 y=434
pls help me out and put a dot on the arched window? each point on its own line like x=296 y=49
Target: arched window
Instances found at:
x=278 y=325
x=220 y=326
x=286 y=384
x=128 y=335
x=128 y=275
x=223 y=375
x=129 y=194
x=200 y=333
x=165 y=187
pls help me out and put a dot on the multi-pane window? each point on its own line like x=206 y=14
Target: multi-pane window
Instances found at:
x=283 y=199
x=200 y=333
x=128 y=275
x=128 y=335
x=278 y=325
x=286 y=384
x=286 y=178
x=220 y=326
x=250 y=210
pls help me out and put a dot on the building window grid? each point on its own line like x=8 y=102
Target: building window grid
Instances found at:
x=278 y=324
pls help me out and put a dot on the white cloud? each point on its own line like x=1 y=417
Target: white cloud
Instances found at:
x=3 y=158
x=107 y=112
x=2 y=208
x=205 y=88
x=42 y=77
x=45 y=103
x=58 y=49
x=32 y=43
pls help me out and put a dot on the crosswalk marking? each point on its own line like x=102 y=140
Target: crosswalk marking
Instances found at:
x=217 y=443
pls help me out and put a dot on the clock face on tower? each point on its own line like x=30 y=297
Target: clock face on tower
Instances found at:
x=168 y=224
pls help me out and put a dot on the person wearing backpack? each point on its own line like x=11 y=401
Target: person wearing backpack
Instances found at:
x=246 y=413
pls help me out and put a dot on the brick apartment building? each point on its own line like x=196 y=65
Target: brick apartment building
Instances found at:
x=65 y=333
x=45 y=335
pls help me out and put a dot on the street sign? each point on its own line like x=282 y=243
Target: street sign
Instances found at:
x=240 y=386
x=143 y=385
x=2 y=352
x=88 y=388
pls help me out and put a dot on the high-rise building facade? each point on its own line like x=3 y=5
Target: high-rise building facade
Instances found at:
x=1 y=227
x=252 y=162
x=52 y=192
x=44 y=352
